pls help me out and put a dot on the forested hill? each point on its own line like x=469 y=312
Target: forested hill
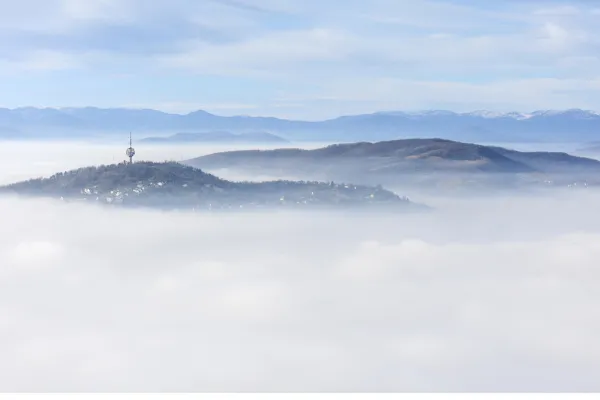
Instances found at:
x=406 y=155
x=173 y=185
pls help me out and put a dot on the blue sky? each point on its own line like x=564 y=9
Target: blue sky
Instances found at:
x=308 y=59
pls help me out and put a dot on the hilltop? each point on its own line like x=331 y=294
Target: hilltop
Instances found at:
x=402 y=161
x=173 y=185
x=405 y=155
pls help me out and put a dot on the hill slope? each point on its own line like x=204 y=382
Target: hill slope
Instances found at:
x=399 y=160
x=173 y=185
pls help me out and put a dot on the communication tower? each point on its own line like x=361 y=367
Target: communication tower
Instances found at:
x=130 y=152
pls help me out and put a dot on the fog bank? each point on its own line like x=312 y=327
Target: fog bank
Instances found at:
x=106 y=300
x=495 y=294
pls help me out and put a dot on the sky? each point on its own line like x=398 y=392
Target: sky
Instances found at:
x=309 y=59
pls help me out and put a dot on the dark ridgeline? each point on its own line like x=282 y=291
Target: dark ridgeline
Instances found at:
x=410 y=160
x=418 y=154
x=173 y=185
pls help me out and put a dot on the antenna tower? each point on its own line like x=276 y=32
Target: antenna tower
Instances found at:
x=130 y=152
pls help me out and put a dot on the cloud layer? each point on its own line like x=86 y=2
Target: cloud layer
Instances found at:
x=98 y=300
x=484 y=294
x=295 y=57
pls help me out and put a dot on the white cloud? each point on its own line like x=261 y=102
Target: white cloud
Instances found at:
x=559 y=38
x=495 y=294
x=266 y=54
x=32 y=15
x=435 y=15
x=94 y=9
x=226 y=307
x=301 y=46
x=370 y=95
x=503 y=62
x=565 y=10
x=36 y=254
x=41 y=60
x=63 y=16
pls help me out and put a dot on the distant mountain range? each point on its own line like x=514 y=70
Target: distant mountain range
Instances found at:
x=437 y=161
x=592 y=148
x=569 y=125
x=172 y=185
x=217 y=137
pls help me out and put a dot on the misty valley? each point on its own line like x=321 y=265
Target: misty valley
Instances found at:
x=417 y=264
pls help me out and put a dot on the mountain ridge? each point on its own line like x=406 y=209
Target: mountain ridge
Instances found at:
x=425 y=112
x=418 y=148
x=398 y=161
x=542 y=125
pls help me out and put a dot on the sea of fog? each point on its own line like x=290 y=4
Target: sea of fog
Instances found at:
x=24 y=160
x=483 y=294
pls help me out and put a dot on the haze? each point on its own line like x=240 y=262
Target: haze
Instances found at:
x=483 y=294
x=26 y=159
